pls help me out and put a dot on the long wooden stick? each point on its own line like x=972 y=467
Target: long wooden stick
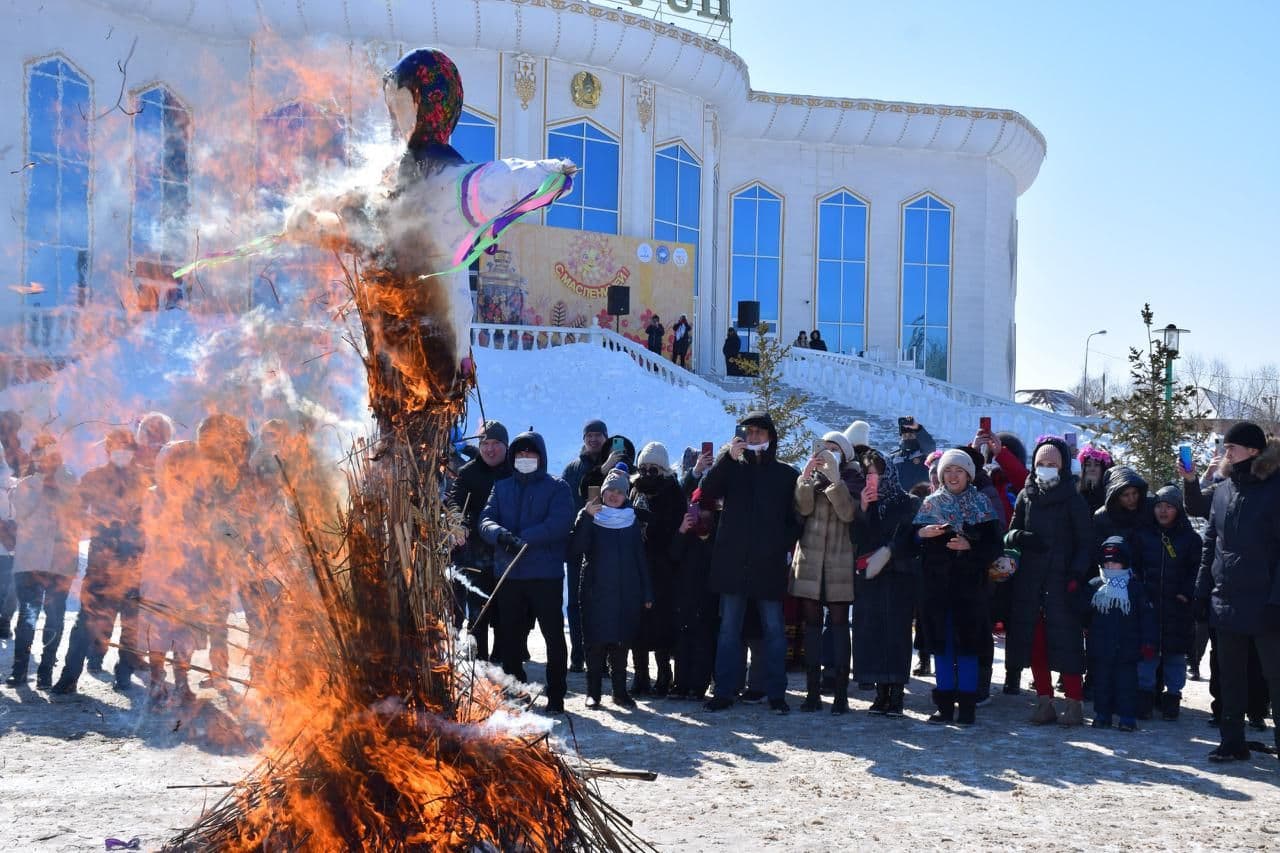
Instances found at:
x=497 y=586
x=212 y=672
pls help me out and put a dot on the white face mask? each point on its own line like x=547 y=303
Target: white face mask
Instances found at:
x=1048 y=476
x=120 y=458
x=758 y=448
x=526 y=465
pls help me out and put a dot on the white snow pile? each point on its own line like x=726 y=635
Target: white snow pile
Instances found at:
x=557 y=390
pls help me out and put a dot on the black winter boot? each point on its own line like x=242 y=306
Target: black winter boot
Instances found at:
x=663 y=685
x=894 y=708
x=1146 y=701
x=967 y=701
x=813 y=687
x=840 y=693
x=881 y=703
x=946 y=702
x=1170 y=704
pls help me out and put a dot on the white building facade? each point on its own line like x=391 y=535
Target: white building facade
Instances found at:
x=890 y=227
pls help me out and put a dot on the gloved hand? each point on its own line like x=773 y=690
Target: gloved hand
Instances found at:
x=1073 y=585
x=1148 y=652
x=877 y=561
x=510 y=542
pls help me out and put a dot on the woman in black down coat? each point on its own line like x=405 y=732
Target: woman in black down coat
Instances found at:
x=1049 y=593
x=660 y=504
x=615 y=587
x=884 y=594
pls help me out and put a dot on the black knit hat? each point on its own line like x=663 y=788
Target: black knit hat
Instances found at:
x=493 y=431
x=1116 y=550
x=1246 y=434
x=595 y=425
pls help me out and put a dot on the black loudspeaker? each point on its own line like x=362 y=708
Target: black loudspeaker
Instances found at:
x=619 y=300
x=748 y=314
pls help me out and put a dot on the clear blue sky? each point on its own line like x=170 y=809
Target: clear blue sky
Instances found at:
x=1163 y=173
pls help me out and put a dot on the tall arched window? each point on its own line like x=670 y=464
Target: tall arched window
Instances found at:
x=677 y=197
x=56 y=245
x=841 y=274
x=297 y=143
x=755 y=267
x=592 y=204
x=475 y=137
x=926 y=284
x=161 y=183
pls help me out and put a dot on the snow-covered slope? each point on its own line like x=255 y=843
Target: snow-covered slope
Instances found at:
x=557 y=390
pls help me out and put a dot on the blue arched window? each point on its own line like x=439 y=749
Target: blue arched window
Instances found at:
x=926 y=284
x=677 y=198
x=162 y=178
x=56 y=245
x=297 y=143
x=475 y=137
x=755 y=271
x=592 y=205
x=841 y=274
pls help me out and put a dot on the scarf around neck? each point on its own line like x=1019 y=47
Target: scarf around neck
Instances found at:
x=615 y=518
x=890 y=494
x=1113 y=590
x=970 y=507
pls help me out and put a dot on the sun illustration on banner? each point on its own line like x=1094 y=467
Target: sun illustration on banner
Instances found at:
x=590 y=266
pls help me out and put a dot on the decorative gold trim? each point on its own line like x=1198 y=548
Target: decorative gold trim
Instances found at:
x=585 y=89
x=644 y=103
x=526 y=79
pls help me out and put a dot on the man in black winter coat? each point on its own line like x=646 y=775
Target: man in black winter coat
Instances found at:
x=468 y=494
x=595 y=435
x=757 y=528
x=653 y=335
x=1239 y=580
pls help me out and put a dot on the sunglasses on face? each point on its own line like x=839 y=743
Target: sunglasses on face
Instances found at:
x=650 y=469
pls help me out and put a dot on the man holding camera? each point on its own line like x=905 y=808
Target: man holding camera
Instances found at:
x=914 y=444
x=757 y=529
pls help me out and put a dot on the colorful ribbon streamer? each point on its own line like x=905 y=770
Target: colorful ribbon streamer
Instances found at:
x=256 y=246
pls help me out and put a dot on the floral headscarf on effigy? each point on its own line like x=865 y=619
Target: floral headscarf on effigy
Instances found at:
x=433 y=81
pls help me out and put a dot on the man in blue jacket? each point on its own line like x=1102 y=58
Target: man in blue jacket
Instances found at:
x=533 y=508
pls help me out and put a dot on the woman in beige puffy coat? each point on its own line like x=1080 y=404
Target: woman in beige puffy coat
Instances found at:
x=827 y=498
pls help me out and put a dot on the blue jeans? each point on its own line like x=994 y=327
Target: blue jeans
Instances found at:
x=952 y=671
x=39 y=591
x=729 y=670
x=1175 y=673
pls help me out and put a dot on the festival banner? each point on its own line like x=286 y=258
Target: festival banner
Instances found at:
x=542 y=276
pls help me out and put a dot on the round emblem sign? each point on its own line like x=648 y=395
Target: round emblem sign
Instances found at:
x=680 y=257
x=644 y=252
x=664 y=254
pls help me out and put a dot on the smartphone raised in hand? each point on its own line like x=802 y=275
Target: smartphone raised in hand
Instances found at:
x=708 y=448
x=741 y=432
x=618 y=445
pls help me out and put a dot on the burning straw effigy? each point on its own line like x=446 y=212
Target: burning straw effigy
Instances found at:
x=382 y=735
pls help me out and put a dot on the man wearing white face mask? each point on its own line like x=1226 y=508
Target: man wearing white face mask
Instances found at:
x=535 y=509
x=112 y=496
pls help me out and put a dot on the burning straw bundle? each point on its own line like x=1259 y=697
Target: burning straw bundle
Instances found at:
x=383 y=738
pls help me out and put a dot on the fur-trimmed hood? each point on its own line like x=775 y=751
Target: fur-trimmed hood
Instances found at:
x=1265 y=464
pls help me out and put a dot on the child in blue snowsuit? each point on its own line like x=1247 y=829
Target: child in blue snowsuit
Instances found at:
x=1121 y=633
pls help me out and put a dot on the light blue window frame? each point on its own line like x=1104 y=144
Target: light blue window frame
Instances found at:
x=840 y=274
x=592 y=204
x=926 y=283
x=755 y=251
x=677 y=198
x=475 y=137
x=56 y=235
x=162 y=178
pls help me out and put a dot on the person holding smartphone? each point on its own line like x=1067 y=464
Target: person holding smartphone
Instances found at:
x=958 y=534
x=595 y=437
x=822 y=566
x=757 y=528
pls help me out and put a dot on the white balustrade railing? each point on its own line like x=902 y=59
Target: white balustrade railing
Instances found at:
x=46 y=332
x=946 y=410
x=527 y=338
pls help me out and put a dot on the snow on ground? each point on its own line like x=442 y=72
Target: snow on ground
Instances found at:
x=557 y=390
x=75 y=771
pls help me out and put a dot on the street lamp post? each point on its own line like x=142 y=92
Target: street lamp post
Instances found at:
x=1171 y=334
x=1084 y=390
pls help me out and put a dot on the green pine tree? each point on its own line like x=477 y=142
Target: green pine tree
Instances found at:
x=1145 y=428
x=768 y=394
